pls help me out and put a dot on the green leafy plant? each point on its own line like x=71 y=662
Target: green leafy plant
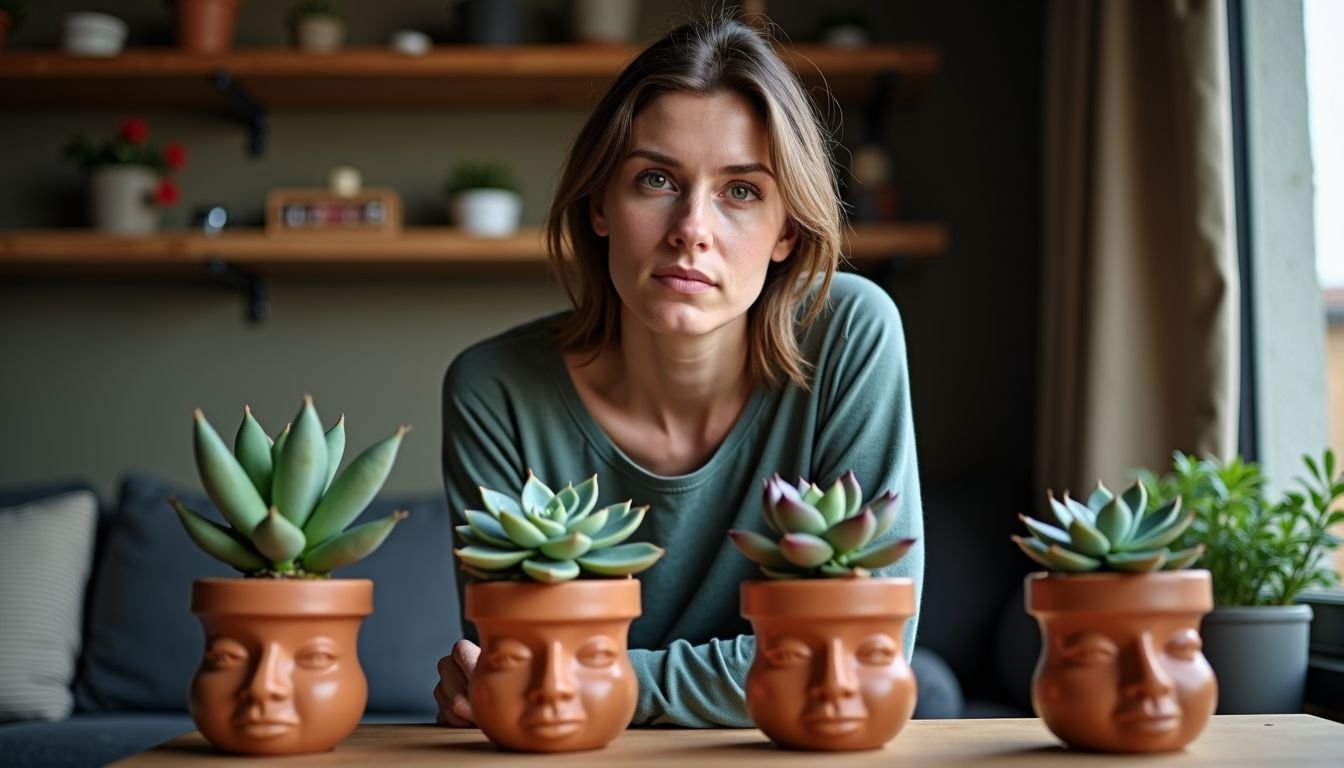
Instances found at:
x=552 y=537
x=1259 y=551
x=822 y=534
x=300 y=11
x=286 y=506
x=480 y=174
x=1109 y=533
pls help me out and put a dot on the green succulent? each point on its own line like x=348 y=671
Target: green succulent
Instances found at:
x=551 y=537
x=1109 y=533
x=823 y=534
x=286 y=506
x=480 y=174
x=306 y=8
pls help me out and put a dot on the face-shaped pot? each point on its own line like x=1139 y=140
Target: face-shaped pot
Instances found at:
x=554 y=674
x=1121 y=668
x=280 y=674
x=830 y=670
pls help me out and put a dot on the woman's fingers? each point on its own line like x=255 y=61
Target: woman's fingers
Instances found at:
x=451 y=691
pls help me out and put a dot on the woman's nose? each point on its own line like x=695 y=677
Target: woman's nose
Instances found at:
x=690 y=230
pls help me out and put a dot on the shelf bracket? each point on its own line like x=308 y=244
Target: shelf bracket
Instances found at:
x=256 y=290
x=247 y=109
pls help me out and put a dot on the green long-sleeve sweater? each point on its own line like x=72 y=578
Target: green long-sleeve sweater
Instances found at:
x=509 y=405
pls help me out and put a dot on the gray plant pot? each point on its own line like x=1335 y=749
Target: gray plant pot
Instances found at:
x=121 y=199
x=1260 y=657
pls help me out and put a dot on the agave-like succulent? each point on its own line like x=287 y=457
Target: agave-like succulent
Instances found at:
x=822 y=534
x=552 y=537
x=286 y=506
x=1109 y=533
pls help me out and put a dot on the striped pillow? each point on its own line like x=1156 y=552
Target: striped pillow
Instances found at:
x=46 y=553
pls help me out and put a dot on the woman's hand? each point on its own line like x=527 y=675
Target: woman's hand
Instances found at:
x=451 y=693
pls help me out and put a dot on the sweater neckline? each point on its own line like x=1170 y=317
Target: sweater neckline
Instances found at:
x=616 y=458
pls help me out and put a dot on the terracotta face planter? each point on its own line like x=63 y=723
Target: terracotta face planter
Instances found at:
x=554 y=674
x=1121 y=667
x=280 y=673
x=830 y=670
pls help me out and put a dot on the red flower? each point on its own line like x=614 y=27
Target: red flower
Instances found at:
x=175 y=155
x=167 y=192
x=134 y=130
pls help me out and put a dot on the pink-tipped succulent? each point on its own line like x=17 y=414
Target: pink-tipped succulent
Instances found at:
x=823 y=534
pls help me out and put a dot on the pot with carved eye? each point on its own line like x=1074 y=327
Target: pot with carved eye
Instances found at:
x=280 y=674
x=554 y=674
x=1121 y=666
x=830 y=671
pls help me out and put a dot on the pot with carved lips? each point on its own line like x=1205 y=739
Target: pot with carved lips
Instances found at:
x=830 y=671
x=280 y=674
x=1121 y=666
x=554 y=674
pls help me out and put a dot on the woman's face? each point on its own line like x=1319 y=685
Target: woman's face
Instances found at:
x=694 y=215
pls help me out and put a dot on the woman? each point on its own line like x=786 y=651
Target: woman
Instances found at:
x=696 y=229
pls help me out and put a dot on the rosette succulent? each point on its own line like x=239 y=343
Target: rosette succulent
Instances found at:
x=1109 y=533
x=286 y=506
x=552 y=537
x=822 y=534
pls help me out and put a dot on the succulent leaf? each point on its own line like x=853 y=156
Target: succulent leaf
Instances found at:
x=853 y=493
x=881 y=554
x=548 y=527
x=810 y=494
x=1183 y=558
x=1068 y=560
x=1063 y=517
x=1080 y=510
x=1115 y=519
x=1136 y=498
x=252 y=447
x=1161 y=537
x=852 y=533
x=276 y=538
x=1048 y=534
x=351 y=546
x=805 y=550
x=1100 y=497
x=587 y=501
x=623 y=560
x=1087 y=539
x=535 y=495
x=884 y=508
x=1137 y=562
x=492 y=558
x=555 y=508
x=496 y=502
x=1035 y=549
x=522 y=530
x=335 y=438
x=619 y=529
x=550 y=571
x=488 y=529
x=832 y=504
x=220 y=542
x=592 y=523
x=568 y=547
x=1115 y=533
x=799 y=517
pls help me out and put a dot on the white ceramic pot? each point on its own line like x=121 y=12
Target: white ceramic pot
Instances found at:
x=121 y=199
x=488 y=212
x=605 y=21
x=93 y=34
x=319 y=34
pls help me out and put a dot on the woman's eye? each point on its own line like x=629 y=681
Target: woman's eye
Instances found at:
x=743 y=192
x=1185 y=644
x=877 y=653
x=655 y=180
x=788 y=653
x=597 y=654
x=1090 y=649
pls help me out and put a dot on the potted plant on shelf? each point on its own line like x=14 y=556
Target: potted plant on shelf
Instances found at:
x=552 y=599
x=128 y=179
x=830 y=671
x=205 y=26
x=1262 y=554
x=1121 y=667
x=280 y=673
x=317 y=26
x=12 y=15
x=483 y=198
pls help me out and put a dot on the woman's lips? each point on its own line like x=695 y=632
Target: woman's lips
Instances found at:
x=682 y=284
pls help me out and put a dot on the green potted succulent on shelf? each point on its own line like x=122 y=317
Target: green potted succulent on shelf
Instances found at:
x=129 y=179
x=552 y=591
x=317 y=26
x=12 y=15
x=484 y=198
x=1262 y=552
x=286 y=626
x=1121 y=667
x=822 y=613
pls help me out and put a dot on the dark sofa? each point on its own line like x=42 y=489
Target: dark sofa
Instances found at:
x=140 y=643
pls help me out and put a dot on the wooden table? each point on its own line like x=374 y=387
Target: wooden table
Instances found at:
x=1229 y=740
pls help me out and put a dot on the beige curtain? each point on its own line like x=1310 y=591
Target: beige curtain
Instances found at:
x=1140 y=288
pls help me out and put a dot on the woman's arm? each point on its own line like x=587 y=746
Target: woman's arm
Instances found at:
x=694 y=686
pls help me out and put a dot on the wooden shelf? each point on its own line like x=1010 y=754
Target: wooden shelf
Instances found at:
x=378 y=78
x=422 y=250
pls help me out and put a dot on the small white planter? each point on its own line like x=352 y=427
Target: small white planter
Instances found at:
x=319 y=34
x=605 y=21
x=488 y=212
x=121 y=199
x=93 y=34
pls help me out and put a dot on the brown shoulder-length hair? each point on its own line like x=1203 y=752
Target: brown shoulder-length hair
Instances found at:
x=704 y=58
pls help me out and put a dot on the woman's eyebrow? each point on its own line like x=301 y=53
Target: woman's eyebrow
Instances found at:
x=672 y=162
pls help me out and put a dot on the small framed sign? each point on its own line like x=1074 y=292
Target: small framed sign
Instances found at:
x=373 y=210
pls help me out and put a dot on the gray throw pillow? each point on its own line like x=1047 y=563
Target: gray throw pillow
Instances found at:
x=143 y=643
x=46 y=553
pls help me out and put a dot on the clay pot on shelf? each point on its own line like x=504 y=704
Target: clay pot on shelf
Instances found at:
x=280 y=674
x=830 y=671
x=1121 y=666
x=554 y=674
x=205 y=26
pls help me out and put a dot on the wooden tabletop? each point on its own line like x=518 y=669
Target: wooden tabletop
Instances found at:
x=1229 y=740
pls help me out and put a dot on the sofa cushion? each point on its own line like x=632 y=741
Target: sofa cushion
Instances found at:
x=87 y=740
x=142 y=644
x=46 y=551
